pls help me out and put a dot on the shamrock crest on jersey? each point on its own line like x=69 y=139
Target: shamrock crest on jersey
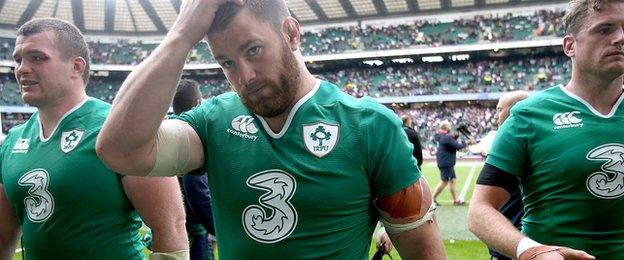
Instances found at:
x=70 y=139
x=320 y=138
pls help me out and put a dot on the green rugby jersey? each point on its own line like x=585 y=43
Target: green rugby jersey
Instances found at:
x=306 y=192
x=571 y=161
x=69 y=204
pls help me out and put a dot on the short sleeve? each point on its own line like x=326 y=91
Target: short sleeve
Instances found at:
x=197 y=119
x=392 y=166
x=510 y=147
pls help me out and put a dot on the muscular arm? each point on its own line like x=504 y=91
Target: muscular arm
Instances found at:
x=487 y=223
x=424 y=242
x=126 y=143
x=9 y=228
x=159 y=202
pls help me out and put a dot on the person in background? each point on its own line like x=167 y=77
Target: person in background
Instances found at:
x=54 y=190
x=296 y=166
x=446 y=157
x=564 y=146
x=413 y=138
x=197 y=200
x=513 y=209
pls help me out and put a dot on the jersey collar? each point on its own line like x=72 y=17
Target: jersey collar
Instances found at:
x=60 y=120
x=594 y=111
x=290 y=115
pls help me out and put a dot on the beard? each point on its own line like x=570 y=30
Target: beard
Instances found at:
x=284 y=89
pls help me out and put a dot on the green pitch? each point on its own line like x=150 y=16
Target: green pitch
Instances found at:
x=459 y=243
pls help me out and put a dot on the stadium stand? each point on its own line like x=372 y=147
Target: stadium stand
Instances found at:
x=333 y=40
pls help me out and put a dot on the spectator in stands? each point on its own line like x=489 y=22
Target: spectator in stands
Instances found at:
x=445 y=157
x=413 y=138
x=197 y=201
x=513 y=209
x=238 y=136
x=564 y=146
x=53 y=187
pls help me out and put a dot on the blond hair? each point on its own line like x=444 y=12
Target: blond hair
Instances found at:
x=579 y=10
x=445 y=125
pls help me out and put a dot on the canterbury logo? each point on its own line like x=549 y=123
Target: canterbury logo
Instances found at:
x=567 y=120
x=244 y=127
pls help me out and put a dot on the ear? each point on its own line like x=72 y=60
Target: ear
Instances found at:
x=79 y=66
x=292 y=32
x=569 y=45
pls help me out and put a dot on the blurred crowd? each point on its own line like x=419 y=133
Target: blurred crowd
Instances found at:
x=493 y=75
x=478 y=119
x=531 y=72
x=426 y=120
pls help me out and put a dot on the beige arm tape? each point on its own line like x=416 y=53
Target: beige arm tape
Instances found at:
x=392 y=228
x=177 y=255
x=172 y=149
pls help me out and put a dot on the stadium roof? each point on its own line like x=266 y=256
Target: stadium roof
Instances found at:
x=154 y=17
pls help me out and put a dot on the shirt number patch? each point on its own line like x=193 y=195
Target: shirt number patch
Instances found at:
x=274 y=218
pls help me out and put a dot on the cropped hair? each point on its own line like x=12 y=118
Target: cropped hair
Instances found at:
x=273 y=12
x=579 y=10
x=186 y=96
x=69 y=40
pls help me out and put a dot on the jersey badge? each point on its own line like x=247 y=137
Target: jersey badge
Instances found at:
x=321 y=138
x=567 y=120
x=21 y=146
x=70 y=139
x=244 y=127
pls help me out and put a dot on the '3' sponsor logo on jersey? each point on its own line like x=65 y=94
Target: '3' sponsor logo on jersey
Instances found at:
x=271 y=228
x=608 y=183
x=39 y=203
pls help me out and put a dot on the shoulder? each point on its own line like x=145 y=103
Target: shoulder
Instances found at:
x=225 y=100
x=24 y=127
x=539 y=100
x=93 y=113
x=330 y=95
x=215 y=108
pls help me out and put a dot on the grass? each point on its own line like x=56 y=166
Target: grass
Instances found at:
x=459 y=243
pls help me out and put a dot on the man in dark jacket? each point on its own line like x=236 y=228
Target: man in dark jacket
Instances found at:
x=445 y=156
x=412 y=136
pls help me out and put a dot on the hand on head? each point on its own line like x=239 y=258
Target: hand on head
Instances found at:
x=195 y=18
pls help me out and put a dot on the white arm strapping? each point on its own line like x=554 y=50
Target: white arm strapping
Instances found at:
x=172 y=149
x=392 y=228
x=177 y=255
x=525 y=244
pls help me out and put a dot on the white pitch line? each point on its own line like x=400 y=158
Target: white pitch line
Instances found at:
x=462 y=194
x=18 y=250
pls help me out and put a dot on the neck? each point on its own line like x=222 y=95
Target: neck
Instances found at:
x=306 y=84
x=600 y=93
x=51 y=114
